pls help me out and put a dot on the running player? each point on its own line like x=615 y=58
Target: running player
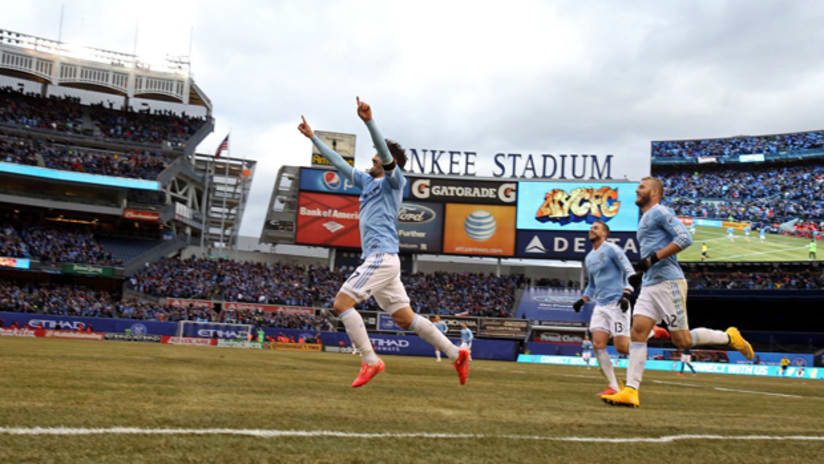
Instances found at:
x=440 y=325
x=704 y=251
x=747 y=232
x=379 y=275
x=607 y=270
x=731 y=234
x=762 y=234
x=586 y=349
x=686 y=357
x=812 y=249
x=663 y=290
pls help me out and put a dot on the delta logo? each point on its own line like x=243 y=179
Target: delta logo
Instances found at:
x=581 y=204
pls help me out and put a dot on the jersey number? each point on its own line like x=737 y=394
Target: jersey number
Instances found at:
x=619 y=327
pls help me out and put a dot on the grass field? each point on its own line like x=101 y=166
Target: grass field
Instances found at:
x=76 y=384
x=774 y=248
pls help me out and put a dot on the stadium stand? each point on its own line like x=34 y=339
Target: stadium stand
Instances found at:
x=743 y=278
x=67 y=115
x=739 y=145
x=53 y=245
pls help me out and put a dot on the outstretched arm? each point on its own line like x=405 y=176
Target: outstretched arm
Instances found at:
x=327 y=152
x=365 y=113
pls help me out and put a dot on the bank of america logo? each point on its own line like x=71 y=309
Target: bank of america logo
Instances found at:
x=535 y=245
x=332 y=226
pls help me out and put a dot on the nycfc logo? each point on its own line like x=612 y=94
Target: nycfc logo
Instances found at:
x=332 y=180
x=480 y=225
x=415 y=214
x=138 y=329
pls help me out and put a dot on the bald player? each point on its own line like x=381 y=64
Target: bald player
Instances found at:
x=663 y=295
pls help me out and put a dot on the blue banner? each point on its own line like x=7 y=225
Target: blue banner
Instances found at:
x=420 y=227
x=552 y=305
x=759 y=370
x=568 y=245
x=82 y=177
x=98 y=324
x=572 y=206
x=326 y=181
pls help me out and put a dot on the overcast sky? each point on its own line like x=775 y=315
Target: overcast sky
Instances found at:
x=489 y=77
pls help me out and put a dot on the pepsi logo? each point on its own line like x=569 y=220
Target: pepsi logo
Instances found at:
x=332 y=180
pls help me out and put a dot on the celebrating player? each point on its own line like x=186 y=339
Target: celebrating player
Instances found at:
x=663 y=290
x=380 y=275
x=607 y=270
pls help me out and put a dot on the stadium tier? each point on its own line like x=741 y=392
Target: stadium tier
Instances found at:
x=733 y=147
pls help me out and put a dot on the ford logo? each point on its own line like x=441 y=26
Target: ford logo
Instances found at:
x=411 y=213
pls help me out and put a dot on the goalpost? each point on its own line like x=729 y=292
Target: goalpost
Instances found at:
x=221 y=330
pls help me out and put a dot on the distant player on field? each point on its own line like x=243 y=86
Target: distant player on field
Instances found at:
x=379 y=275
x=686 y=357
x=747 y=232
x=762 y=234
x=440 y=325
x=731 y=234
x=692 y=229
x=812 y=249
x=586 y=350
x=663 y=290
x=704 y=251
x=607 y=270
x=466 y=339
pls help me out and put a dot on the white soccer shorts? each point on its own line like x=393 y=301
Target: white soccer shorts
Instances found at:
x=610 y=319
x=665 y=301
x=379 y=276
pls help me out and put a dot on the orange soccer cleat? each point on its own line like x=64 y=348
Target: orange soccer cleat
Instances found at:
x=660 y=332
x=608 y=391
x=367 y=372
x=462 y=365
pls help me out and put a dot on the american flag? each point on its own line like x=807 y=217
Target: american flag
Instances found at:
x=224 y=145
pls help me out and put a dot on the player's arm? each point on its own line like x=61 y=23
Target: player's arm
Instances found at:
x=393 y=176
x=681 y=239
x=331 y=155
x=589 y=293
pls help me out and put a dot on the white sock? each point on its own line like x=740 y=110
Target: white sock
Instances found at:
x=438 y=354
x=431 y=334
x=637 y=361
x=702 y=336
x=353 y=322
x=606 y=368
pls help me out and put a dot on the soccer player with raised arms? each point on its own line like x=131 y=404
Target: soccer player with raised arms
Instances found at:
x=663 y=294
x=608 y=271
x=380 y=274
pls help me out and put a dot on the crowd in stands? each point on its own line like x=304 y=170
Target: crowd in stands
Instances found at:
x=741 y=145
x=52 y=245
x=771 y=195
x=758 y=280
x=75 y=300
x=66 y=114
x=19 y=151
x=448 y=293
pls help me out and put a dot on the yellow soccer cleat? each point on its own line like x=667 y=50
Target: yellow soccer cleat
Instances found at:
x=628 y=396
x=738 y=342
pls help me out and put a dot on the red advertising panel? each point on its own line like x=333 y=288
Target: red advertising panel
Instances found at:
x=140 y=215
x=233 y=306
x=328 y=220
x=184 y=303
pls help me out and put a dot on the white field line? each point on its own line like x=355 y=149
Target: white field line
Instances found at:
x=70 y=431
x=781 y=250
x=732 y=390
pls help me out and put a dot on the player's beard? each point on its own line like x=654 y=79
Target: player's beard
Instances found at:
x=642 y=201
x=374 y=171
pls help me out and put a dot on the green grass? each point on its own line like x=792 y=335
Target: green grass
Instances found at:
x=49 y=383
x=775 y=248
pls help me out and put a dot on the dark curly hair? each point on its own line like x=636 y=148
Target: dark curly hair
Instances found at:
x=397 y=152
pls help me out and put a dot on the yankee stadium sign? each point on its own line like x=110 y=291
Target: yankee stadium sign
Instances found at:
x=527 y=166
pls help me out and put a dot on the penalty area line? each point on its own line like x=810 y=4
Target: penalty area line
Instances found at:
x=70 y=431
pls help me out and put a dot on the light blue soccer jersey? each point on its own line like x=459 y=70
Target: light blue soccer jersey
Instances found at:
x=466 y=335
x=441 y=325
x=607 y=272
x=730 y=231
x=762 y=232
x=586 y=345
x=747 y=230
x=659 y=227
x=380 y=199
